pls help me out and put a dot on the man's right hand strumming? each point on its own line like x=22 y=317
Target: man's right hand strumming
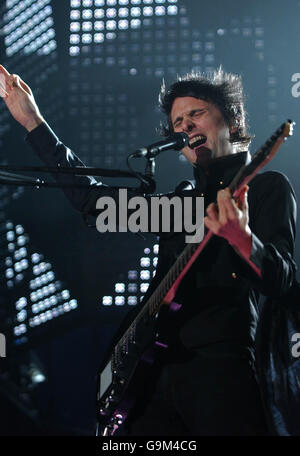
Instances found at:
x=19 y=99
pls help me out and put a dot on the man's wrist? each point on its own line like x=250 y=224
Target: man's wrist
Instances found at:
x=243 y=245
x=33 y=123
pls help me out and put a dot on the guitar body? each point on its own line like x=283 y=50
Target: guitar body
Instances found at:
x=122 y=382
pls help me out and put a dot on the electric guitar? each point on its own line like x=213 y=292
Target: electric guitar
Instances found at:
x=128 y=364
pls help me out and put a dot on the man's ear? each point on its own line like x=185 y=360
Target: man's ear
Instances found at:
x=233 y=129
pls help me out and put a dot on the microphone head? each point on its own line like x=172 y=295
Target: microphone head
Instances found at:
x=182 y=140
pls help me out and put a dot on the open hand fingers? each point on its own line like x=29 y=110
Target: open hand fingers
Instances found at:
x=4 y=75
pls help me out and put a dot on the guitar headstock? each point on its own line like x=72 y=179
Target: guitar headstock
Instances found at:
x=287 y=128
x=262 y=156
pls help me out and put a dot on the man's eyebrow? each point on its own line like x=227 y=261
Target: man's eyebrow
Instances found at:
x=193 y=111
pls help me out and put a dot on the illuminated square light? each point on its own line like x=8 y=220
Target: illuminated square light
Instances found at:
x=148 y=11
x=99 y=25
x=74 y=38
x=35 y=308
x=172 y=10
x=21 y=240
x=99 y=2
x=75 y=14
x=87 y=3
x=73 y=304
x=107 y=300
x=145 y=275
x=145 y=262
x=21 y=316
x=10 y=246
x=49 y=315
x=135 y=2
x=156 y=249
x=87 y=26
x=160 y=1
x=86 y=38
x=8 y=261
x=99 y=13
x=75 y=3
x=41 y=306
x=119 y=300
x=123 y=2
x=123 y=24
x=43 y=318
x=111 y=25
x=37 y=320
x=132 y=300
x=123 y=12
x=75 y=26
x=119 y=287
x=160 y=11
x=87 y=14
x=148 y=2
x=98 y=37
x=53 y=300
x=144 y=287
x=9 y=273
x=65 y=294
x=74 y=50
x=21 y=303
x=10 y=235
x=66 y=307
x=135 y=23
x=135 y=12
x=35 y=257
x=111 y=12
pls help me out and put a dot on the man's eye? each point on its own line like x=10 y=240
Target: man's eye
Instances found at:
x=197 y=113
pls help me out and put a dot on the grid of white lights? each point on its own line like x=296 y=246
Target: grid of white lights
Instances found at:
x=46 y=298
x=28 y=27
x=132 y=292
x=91 y=24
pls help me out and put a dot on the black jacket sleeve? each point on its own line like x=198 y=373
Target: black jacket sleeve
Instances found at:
x=272 y=215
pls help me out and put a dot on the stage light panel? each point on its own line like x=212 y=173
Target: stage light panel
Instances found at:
x=28 y=26
x=31 y=274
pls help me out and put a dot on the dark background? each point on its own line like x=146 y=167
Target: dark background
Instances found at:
x=101 y=100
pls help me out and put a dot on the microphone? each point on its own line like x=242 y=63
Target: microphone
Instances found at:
x=176 y=141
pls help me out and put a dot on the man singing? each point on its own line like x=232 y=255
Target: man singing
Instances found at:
x=207 y=383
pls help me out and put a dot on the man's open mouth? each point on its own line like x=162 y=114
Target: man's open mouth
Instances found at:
x=197 y=141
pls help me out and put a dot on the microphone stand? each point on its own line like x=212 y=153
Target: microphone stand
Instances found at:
x=8 y=178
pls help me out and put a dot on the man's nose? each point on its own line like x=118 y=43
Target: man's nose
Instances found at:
x=187 y=125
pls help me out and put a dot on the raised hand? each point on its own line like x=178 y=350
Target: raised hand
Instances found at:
x=19 y=99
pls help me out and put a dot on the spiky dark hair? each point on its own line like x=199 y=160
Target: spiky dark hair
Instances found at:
x=224 y=90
